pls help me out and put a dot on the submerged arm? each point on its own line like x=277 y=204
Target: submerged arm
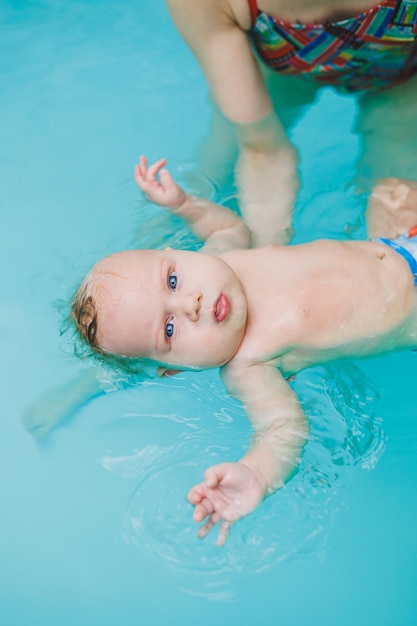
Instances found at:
x=280 y=426
x=266 y=171
x=219 y=227
x=232 y=490
x=59 y=404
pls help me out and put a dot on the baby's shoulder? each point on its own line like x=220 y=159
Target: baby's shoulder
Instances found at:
x=248 y=357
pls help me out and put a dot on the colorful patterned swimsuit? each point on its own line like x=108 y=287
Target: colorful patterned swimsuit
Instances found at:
x=375 y=49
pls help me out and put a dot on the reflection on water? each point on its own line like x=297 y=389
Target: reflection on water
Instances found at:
x=291 y=524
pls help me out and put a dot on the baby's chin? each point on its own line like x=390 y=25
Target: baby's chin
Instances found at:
x=197 y=366
x=210 y=362
x=201 y=363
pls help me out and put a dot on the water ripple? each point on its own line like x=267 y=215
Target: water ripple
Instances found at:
x=294 y=523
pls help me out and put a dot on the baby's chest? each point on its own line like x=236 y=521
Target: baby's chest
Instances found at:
x=294 y=336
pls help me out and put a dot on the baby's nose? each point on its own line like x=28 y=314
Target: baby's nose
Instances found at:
x=193 y=306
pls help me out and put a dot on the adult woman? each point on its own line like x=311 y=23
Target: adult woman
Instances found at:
x=351 y=44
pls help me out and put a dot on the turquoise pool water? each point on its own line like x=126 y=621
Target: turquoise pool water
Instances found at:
x=94 y=526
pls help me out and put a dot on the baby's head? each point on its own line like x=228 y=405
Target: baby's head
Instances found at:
x=172 y=307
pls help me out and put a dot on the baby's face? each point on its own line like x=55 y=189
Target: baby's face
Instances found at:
x=173 y=307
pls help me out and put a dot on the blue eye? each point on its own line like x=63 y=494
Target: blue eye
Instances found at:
x=169 y=329
x=172 y=281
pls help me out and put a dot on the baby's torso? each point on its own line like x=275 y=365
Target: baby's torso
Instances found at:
x=353 y=45
x=325 y=300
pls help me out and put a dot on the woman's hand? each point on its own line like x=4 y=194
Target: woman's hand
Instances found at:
x=392 y=208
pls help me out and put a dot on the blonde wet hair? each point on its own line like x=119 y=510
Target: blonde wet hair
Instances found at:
x=84 y=311
x=84 y=316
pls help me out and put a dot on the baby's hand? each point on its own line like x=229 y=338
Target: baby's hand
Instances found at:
x=164 y=191
x=229 y=491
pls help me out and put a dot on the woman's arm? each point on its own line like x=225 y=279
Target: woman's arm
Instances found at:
x=267 y=167
x=223 y=51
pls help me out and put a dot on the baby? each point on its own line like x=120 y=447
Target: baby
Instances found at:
x=261 y=315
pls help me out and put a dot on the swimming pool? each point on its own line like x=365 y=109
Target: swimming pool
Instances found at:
x=94 y=524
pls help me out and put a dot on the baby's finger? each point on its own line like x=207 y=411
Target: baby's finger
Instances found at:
x=196 y=494
x=139 y=178
x=140 y=171
x=142 y=165
x=210 y=477
x=204 y=530
x=154 y=169
x=165 y=178
x=224 y=531
x=202 y=509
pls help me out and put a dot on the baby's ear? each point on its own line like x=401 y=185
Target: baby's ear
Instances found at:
x=164 y=371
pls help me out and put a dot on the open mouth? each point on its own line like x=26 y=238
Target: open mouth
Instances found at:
x=221 y=308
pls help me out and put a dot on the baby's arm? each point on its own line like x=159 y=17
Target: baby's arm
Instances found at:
x=219 y=227
x=61 y=403
x=232 y=490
